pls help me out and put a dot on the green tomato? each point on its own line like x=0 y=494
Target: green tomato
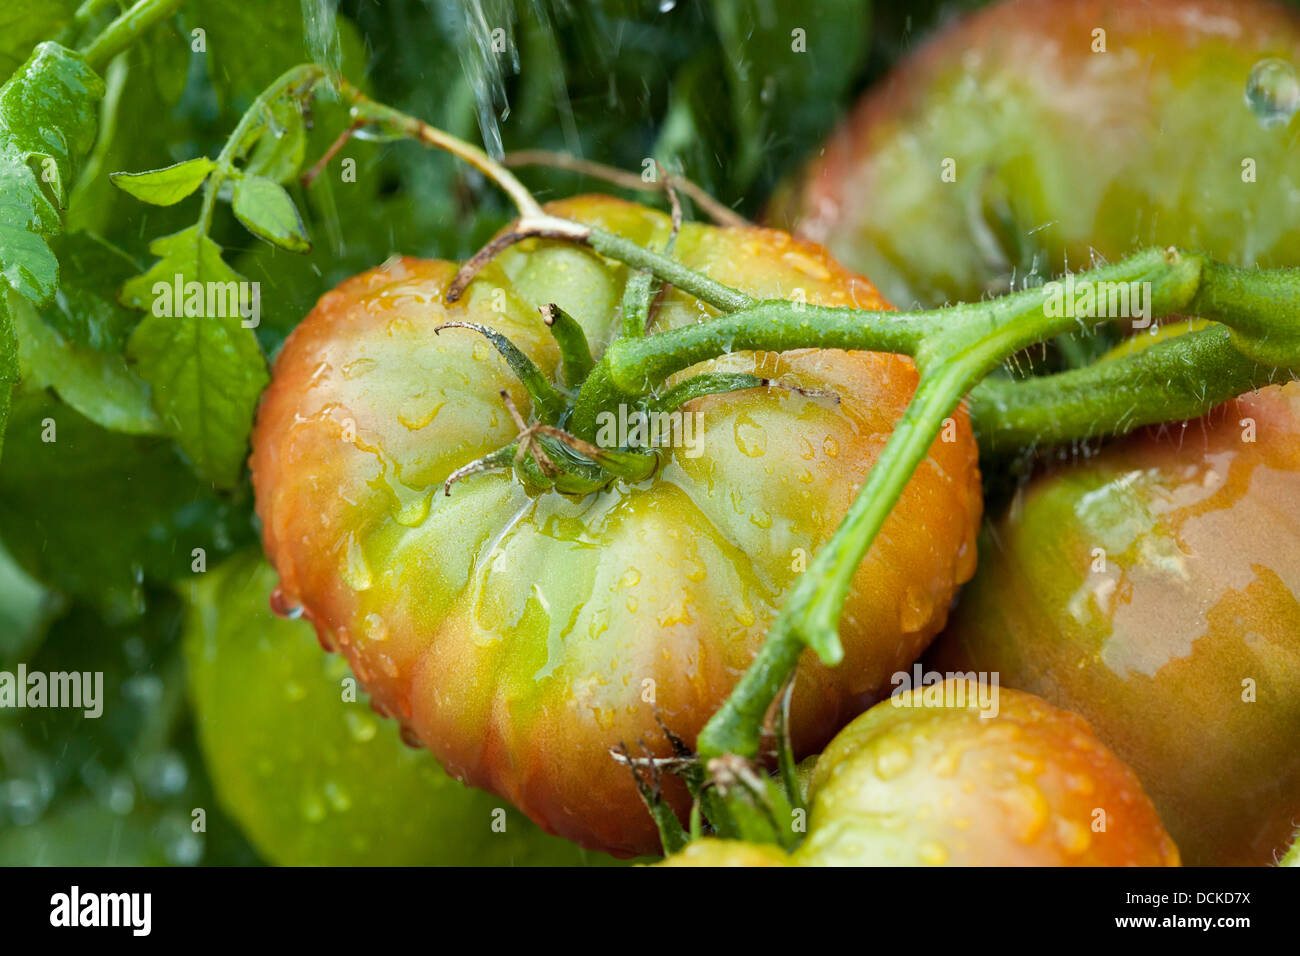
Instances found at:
x=1034 y=135
x=1155 y=589
x=955 y=774
x=312 y=775
x=521 y=634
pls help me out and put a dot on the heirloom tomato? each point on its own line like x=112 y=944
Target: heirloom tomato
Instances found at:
x=521 y=634
x=1035 y=134
x=312 y=775
x=1154 y=589
x=958 y=774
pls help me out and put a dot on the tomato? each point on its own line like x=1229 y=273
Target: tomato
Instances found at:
x=315 y=779
x=521 y=634
x=1007 y=146
x=928 y=779
x=1154 y=590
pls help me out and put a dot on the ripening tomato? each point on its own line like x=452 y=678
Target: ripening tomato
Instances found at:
x=1033 y=134
x=522 y=634
x=952 y=774
x=309 y=771
x=1155 y=589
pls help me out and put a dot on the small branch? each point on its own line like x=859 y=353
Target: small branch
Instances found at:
x=318 y=167
x=543 y=227
x=720 y=214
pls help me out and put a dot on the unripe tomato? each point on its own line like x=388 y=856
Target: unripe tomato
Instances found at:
x=1153 y=589
x=310 y=773
x=729 y=853
x=521 y=635
x=1011 y=143
x=942 y=776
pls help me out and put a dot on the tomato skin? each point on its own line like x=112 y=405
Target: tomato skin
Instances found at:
x=1196 y=590
x=930 y=781
x=312 y=779
x=726 y=853
x=1061 y=154
x=521 y=637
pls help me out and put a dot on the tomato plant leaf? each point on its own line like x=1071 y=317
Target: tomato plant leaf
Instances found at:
x=97 y=384
x=75 y=344
x=264 y=207
x=47 y=124
x=8 y=364
x=24 y=23
x=279 y=153
x=204 y=365
x=166 y=186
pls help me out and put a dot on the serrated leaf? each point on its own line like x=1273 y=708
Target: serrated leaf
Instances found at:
x=47 y=123
x=264 y=207
x=166 y=186
x=206 y=371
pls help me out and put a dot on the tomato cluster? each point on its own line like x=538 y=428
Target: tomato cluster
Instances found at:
x=1139 y=608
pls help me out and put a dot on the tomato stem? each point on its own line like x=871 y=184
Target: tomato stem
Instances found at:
x=122 y=32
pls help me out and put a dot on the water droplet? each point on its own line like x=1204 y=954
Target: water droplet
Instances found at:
x=356 y=570
x=313 y=808
x=163 y=774
x=1273 y=92
x=283 y=606
x=932 y=854
x=751 y=439
x=413 y=512
x=892 y=758
x=831 y=447
x=338 y=798
x=362 y=727
x=358 y=367
x=375 y=627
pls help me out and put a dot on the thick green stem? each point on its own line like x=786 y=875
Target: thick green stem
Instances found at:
x=1116 y=396
x=952 y=358
x=1259 y=306
x=123 y=31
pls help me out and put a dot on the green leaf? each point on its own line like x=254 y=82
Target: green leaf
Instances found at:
x=96 y=514
x=8 y=364
x=206 y=371
x=279 y=154
x=26 y=607
x=85 y=311
x=47 y=123
x=265 y=208
x=97 y=384
x=166 y=186
x=24 y=23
